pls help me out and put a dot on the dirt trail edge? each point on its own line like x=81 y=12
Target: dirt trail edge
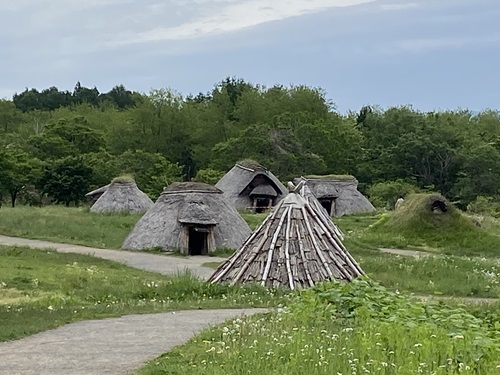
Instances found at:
x=107 y=346
x=163 y=264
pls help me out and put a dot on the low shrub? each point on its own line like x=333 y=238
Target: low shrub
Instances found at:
x=485 y=206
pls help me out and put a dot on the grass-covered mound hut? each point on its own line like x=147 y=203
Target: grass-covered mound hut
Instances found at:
x=122 y=196
x=431 y=221
x=338 y=194
x=295 y=247
x=250 y=186
x=192 y=217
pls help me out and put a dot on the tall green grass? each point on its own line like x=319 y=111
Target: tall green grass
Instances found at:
x=356 y=328
x=448 y=275
x=253 y=220
x=40 y=290
x=67 y=224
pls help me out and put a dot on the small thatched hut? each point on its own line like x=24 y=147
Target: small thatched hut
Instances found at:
x=94 y=195
x=250 y=186
x=295 y=247
x=122 y=196
x=338 y=194
x=190 y=216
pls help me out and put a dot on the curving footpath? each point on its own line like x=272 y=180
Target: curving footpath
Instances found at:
x=115 y=345
x=164 y=264
x=108 y=346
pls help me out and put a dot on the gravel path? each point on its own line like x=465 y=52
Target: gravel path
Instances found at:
x=108 y=346
x=116 y=345
x=164 y=264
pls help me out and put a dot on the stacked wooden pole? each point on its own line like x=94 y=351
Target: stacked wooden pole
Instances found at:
x=296 y=246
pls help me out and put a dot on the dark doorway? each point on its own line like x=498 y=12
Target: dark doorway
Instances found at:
x=262 y=204
x=439 y=206
x=198 y=241
x=328 y=204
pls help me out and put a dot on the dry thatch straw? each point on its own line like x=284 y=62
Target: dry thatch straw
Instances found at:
x=250 y=186
x=191 y=216
x=295 y=247
x=94 y=195
x=122 y=196
x=338 y=194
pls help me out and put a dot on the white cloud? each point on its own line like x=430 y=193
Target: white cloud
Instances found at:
x=398 y=6
x=241 y=15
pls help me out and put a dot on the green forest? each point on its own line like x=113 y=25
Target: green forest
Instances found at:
x=57 y=145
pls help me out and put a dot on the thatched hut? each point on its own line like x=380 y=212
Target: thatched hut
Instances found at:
x=338 y=194
x=295 y=247
x=250 y=186
x=122 y=196
x=190 y=216
x=94 y=195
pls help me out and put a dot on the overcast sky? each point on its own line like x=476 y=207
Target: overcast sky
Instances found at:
x=432 y=54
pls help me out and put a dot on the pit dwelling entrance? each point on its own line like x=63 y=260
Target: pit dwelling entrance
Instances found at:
x=328 y=204
x=198 y=240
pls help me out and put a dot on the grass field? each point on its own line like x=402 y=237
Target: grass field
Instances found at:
x=329 y=330
x=452 y=275
x=353 y=328
x=465 y=239
x=67 y=225
x=40 y=290
x=363 y=232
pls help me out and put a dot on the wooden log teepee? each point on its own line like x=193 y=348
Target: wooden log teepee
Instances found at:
x=296 y=246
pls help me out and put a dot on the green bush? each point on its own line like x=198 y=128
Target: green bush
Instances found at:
x=385 y=194
x=483 y=205
x=208 y=176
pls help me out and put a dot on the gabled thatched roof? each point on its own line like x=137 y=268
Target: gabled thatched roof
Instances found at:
x=122 y=197
x=332 y=177
x=241 y=180
x=343 y=189
x=295 y=247
x=188 y=203
x=264 y=190
x=97 y=191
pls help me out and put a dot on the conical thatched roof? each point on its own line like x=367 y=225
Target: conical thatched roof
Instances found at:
x=248 y=180
x=295 y=247
x=122 y=196
x=184 y=207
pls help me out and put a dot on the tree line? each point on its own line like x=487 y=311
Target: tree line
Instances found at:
x=57 y=145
